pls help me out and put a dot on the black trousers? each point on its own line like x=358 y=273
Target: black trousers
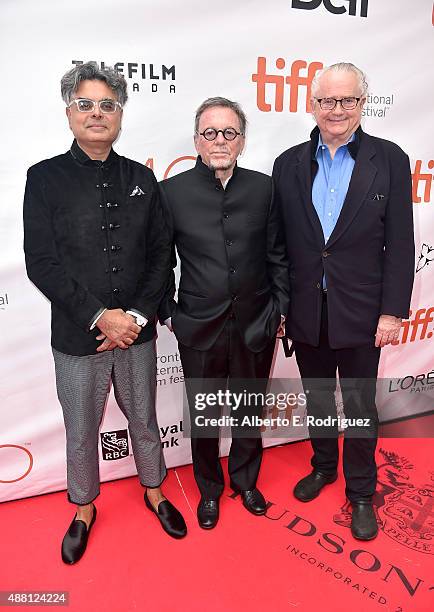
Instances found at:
x=227 y=361
x=358 y=369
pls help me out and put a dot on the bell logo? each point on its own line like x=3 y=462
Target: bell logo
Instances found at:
x=331 y=7
x=277 y=84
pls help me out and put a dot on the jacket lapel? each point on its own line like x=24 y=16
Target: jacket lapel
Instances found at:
x=304 y=171
x=361 y=180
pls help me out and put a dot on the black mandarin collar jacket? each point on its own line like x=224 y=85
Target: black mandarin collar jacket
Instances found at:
x=94 y=238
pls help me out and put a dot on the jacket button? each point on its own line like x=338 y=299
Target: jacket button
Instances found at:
x=103 y=227
x=318 y=285
x=115 y=290
x=225 y=215
x=232 y=270
x=234 y=297
x=105 y=249
x=114 y=247
x=229 y=242
x=325 y=254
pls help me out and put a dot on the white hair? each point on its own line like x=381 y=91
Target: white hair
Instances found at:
x=341 y=67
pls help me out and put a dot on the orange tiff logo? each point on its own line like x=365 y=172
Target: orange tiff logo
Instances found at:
x=426 y=178
x=272 y=88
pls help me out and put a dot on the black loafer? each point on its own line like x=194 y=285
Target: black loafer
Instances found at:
x=170 y=518
x=254 y=501
x=75 y=540
x=363 y=521
x=208 y=513
x=310 y=486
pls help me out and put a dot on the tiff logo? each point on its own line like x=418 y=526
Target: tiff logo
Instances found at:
x=422 y=177
x=331 y=7
x=419 y=326
x=275 y=84
x=114 y=444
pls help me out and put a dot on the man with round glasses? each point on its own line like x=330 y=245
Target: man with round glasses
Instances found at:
x=232 y=292
x=97 y=247
x=345 y=199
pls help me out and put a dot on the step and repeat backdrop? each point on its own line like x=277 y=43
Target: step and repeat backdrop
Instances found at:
x=174 y=55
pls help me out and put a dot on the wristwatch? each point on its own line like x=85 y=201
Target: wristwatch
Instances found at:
x=140 y=319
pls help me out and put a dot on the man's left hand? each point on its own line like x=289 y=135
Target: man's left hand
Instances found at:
x=387 y=330
x=107 y=345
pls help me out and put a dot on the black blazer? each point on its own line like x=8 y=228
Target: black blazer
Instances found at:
x=232 y=255
x=94 y=238
x=368 y=260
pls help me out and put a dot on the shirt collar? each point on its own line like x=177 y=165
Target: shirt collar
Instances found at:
x=205 y=171
x=353 y=143
x=83 y=158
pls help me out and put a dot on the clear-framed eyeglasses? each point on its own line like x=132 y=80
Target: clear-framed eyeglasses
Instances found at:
x=228 y=133
x=348 y=103
x=107 y=106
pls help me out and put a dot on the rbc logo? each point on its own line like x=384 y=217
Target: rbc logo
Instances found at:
x=279 y=83
x=114 y=445
x=310 y=5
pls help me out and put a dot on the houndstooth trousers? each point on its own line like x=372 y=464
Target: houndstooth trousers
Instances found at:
x=83 y=385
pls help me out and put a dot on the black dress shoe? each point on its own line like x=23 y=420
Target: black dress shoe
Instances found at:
x=208 y=513
x=254 y=501
x=363 y=521
x=75 y=540
x=170 y=518
x=310 y=486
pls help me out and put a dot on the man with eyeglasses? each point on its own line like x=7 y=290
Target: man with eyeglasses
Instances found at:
x=345 y=199
x=97 y=247
x=232 y=292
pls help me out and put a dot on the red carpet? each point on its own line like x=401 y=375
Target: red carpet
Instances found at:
x=300 y=556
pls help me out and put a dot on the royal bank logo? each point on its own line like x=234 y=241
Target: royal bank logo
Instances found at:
x=356 y=8
x=153 y=78
x=280 y=87
x=426 y=256
x=404 y=506
x=4 y=301
x=114 y=445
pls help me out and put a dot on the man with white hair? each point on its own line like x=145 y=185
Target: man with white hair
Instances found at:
x=345 y=200
x=97 y=247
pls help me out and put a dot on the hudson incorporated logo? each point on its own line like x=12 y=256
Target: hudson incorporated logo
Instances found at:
x=279 y=91
x=153 y=77
x=352 y=7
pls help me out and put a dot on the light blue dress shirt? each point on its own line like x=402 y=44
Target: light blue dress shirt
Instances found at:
x=330 y=185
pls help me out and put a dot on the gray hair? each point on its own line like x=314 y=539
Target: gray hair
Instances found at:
x=224 y=103
x=341 y=67
x=89 y=71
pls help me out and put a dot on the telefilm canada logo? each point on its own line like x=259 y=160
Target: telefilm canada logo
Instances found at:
x=153 y=78
x=114 y=445
x=356 y=8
